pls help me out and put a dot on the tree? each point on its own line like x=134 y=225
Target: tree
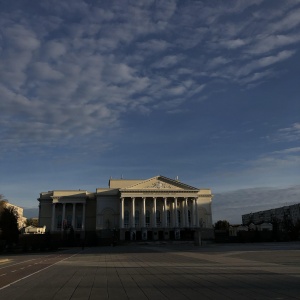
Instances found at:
x=222 y=225
x=32 y=222
x=8 y=223
x=3 y=203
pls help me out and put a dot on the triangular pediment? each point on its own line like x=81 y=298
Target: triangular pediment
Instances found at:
x=160 y=183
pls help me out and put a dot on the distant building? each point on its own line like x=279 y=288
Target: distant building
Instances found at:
x=34 y=230
x=260 y=227
x=235 y=229
x=158 y=208
x=291 y=212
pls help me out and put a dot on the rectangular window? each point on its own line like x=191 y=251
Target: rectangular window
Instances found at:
x=147 y=218
x=79 y=222
x=59 y=222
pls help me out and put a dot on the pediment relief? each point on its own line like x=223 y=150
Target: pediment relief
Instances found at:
x=160 y=183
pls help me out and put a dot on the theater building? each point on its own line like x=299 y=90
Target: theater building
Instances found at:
x=158 y=208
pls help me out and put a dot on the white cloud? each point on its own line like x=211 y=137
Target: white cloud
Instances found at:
x=54 y=49
x=289 y=21
x=288 y=150
x=269 y=60
x=154 y=45
x=44 y=71
x=217 y=61
x=168 y=61
x=269 y=43
x=287 y=134
x=61 y=69
x=164 y=10
x=233 y=44
x=256 y=76
x=263 y=62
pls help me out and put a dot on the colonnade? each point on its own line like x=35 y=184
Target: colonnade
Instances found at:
x=173 y=208
x=54 y=227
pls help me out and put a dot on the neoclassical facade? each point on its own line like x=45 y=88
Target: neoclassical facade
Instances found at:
x=158 y=208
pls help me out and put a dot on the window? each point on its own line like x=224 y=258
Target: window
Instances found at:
x=178 y=217
x=158 y=221
x=69 y=220
x=78 y=222
x=189 y=217
x=147 y=218
x=137 y=218
x=126 y=218
x=168 y=218
x=59 y=221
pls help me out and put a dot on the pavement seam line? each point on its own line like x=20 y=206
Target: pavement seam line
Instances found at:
x=4 y=287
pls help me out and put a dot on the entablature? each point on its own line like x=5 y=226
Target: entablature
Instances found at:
x=65 y=200
x=159 y=194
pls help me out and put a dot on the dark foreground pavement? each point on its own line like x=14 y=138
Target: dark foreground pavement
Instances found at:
x=249 y=271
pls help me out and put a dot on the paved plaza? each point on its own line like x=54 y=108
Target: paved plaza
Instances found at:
x=153 y=271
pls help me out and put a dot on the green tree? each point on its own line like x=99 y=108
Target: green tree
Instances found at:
x=32 y=222
x=3 y=203
x=222 y=225
x=8 y=223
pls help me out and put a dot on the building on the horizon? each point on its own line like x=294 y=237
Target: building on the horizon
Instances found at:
x=31 y=229
x=158 y=208
x=280 y=214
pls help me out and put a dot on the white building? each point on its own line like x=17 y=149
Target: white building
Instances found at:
x=34 y=230
x=235 y=229
x=291 y=212
x=158 y=208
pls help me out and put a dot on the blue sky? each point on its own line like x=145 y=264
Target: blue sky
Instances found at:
x=204 y=90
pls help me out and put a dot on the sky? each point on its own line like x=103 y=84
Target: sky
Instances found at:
x=204 y=90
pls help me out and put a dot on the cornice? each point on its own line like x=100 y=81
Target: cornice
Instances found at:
x=144 y=191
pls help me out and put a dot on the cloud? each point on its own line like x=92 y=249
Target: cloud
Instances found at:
x=287 y=151
x=43 y=71
x=264 y=62
x=269 y=43
x=287 y=134
x=154 y=45
x=289 y=21
x=217 y=61
x=233 y=44
x=77 y=68
x=257 y=76
x=168 y=61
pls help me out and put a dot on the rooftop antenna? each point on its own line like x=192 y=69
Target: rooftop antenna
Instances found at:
x=177 y=178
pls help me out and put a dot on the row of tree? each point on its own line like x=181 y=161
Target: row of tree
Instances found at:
x=284 y=229
x=9 y=231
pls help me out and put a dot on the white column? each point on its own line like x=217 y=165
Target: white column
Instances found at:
x=180 y=208
x=197 y=214
x=186 y=212
x=154 y=213
x=132 y=212
x=53 y=217
x=194 y=213
x=165 y=213
x=73 y=216
x=83 y=216
x=122 y=213
x=175 y=214
x=63 y=216
x=144 y=212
